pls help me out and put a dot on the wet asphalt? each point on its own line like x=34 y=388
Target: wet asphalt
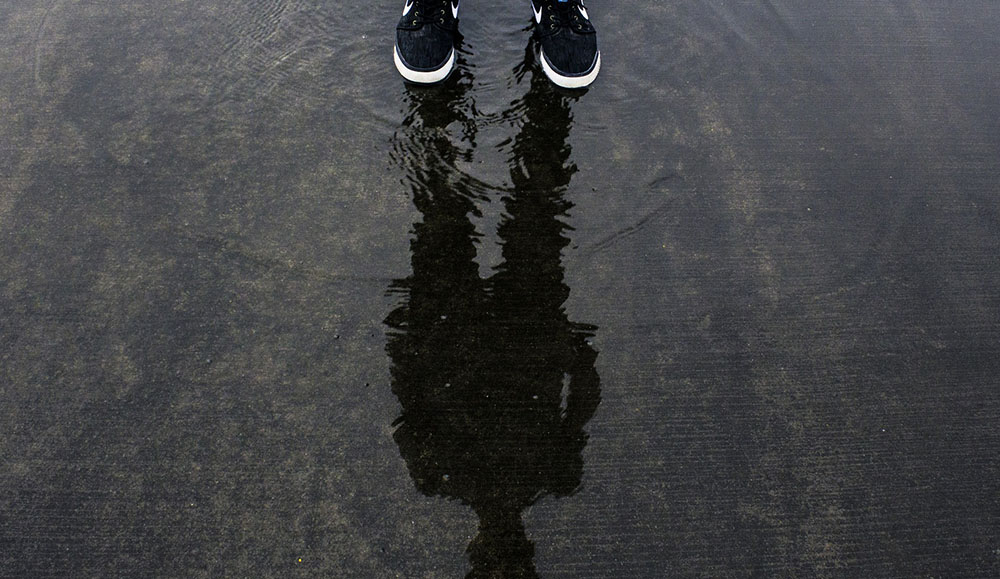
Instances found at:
x=266 y=311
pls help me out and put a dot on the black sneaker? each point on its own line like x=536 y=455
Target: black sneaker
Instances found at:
x=568 y=42
x=425 y=40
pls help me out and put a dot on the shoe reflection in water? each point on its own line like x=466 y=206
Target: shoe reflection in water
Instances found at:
x=495 y=383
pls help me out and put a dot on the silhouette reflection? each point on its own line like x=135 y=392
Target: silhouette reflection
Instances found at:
x=495 y=383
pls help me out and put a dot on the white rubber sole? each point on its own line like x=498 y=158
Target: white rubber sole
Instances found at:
x=424 y=77
x=570 y=81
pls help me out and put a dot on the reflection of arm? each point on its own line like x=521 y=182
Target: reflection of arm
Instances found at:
x=584 y=386
x=563 y=466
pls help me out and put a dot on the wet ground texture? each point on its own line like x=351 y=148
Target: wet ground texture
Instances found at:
x=266 y=311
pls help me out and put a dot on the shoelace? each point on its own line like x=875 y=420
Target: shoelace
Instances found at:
x=565 y=15
x=430 y=11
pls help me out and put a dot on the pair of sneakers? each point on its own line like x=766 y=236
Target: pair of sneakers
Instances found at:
x=427 y=32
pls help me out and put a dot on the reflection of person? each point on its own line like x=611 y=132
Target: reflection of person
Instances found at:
x=495 y=383
x=567 y=42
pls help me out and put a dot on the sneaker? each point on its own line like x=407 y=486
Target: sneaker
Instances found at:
x=425 y=40
x=568 y=42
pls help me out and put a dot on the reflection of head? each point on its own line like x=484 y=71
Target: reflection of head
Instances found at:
x=495 y=383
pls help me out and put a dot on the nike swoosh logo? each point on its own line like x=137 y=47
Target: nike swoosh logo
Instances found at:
x=583 y=11
x=538 y=13
x=454 y=10
x=407 y=8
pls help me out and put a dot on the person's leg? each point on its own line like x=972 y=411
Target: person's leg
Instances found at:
x=568 y=42
x=425 y=40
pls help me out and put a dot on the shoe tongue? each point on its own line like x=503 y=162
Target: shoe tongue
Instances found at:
x=562 y=7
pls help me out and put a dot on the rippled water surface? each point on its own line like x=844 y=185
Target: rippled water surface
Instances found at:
x=266 y=311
